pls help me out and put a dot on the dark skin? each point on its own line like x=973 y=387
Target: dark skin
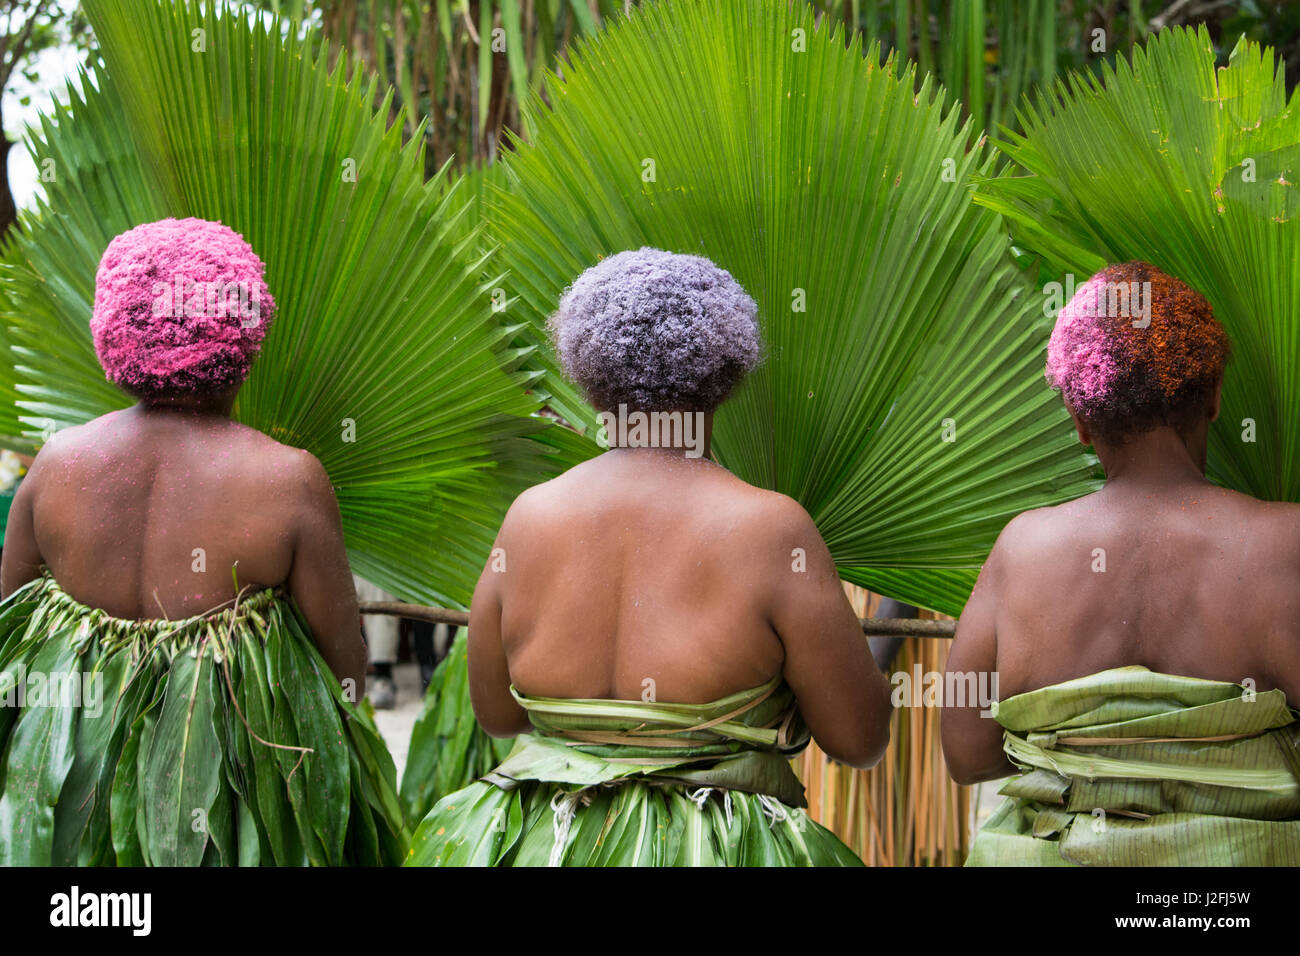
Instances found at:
x=1199 y=581
x=116 y=508
x=645 y=564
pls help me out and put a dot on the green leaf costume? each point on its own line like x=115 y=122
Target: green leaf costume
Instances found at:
x=635 y=783
x=1130 y=767
x=216 y=740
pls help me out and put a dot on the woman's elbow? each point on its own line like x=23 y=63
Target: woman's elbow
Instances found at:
x=960 y=769
x=961 y=775
x=864 y=750
x=968 y=766
x=501 y=731
x=863 y=758
x=503 y=724
x=969 y=776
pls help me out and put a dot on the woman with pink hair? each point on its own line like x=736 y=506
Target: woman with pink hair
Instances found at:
x=186 y=577
x=1142 y=714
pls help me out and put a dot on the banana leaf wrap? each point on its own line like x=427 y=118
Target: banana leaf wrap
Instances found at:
x=1130 y=767
x=634 y=783
x=217 y=740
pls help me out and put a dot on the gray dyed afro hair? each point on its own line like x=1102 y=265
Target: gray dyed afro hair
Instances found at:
x=657 y=331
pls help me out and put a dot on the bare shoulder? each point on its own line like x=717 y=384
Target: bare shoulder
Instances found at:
x=274 y=473
x=293 y=469
x=1030 y=527
x=1053 y=521
x=774 y=525
x=1032 y=536
x=71 y=449
x=1274 y=531
x=76 y=439
x=1284 y=514
x=540 y=508
x=776 y=514
x=1263 y=536
x=558 y=498
x=540 y=500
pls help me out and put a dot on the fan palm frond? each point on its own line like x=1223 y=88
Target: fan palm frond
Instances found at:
x=386 y=359
x=1193 y=168
x=901 y=401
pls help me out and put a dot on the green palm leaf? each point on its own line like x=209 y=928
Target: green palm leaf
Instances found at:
x=384 y=323
x=739 y=131
x=1192 y=168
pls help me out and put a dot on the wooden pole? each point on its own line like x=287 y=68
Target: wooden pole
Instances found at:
x=871 y=626
x=417 y=612
x=907 y=627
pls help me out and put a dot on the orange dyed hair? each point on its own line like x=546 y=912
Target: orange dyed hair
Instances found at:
x=1135 y=349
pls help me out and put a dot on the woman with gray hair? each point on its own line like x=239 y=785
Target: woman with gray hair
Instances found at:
x=661 y=635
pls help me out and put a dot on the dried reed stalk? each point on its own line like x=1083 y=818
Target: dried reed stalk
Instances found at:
x=905 y=811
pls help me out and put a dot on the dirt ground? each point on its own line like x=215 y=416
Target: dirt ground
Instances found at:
x=395 y=725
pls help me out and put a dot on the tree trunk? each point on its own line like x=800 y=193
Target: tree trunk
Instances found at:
x=8 y=213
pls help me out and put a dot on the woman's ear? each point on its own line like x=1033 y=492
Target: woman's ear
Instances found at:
x=1080 y=426
x=1214 y=401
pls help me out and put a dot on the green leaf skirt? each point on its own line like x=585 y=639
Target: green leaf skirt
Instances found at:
x=1133 y=767
x=448 y=749
x=633 y=783
x=218 y=740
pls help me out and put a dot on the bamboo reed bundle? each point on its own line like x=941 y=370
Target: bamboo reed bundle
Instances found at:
x=905 y=811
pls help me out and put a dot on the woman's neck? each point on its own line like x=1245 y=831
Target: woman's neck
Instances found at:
x=191 y=406
x=1158 y=458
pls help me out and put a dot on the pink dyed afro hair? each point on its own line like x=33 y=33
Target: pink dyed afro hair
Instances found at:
x=1136 y=349
x=181 y=308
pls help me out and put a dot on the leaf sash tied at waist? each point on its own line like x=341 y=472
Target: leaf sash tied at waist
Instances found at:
x=1135 y=767
x=739 y=742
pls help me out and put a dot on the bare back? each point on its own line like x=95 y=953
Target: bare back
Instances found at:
x=1180 y=577
x=1198 y=581
x=645 y=576
x=656 y=584
x=151 y=513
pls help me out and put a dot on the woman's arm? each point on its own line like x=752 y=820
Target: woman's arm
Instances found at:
x=972 y=743
x=842 y=694
x=22 y=555
x=320 y=580
x=489 y=674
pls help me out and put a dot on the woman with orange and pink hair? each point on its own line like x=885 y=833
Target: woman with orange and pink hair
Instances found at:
x=1143 y=712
